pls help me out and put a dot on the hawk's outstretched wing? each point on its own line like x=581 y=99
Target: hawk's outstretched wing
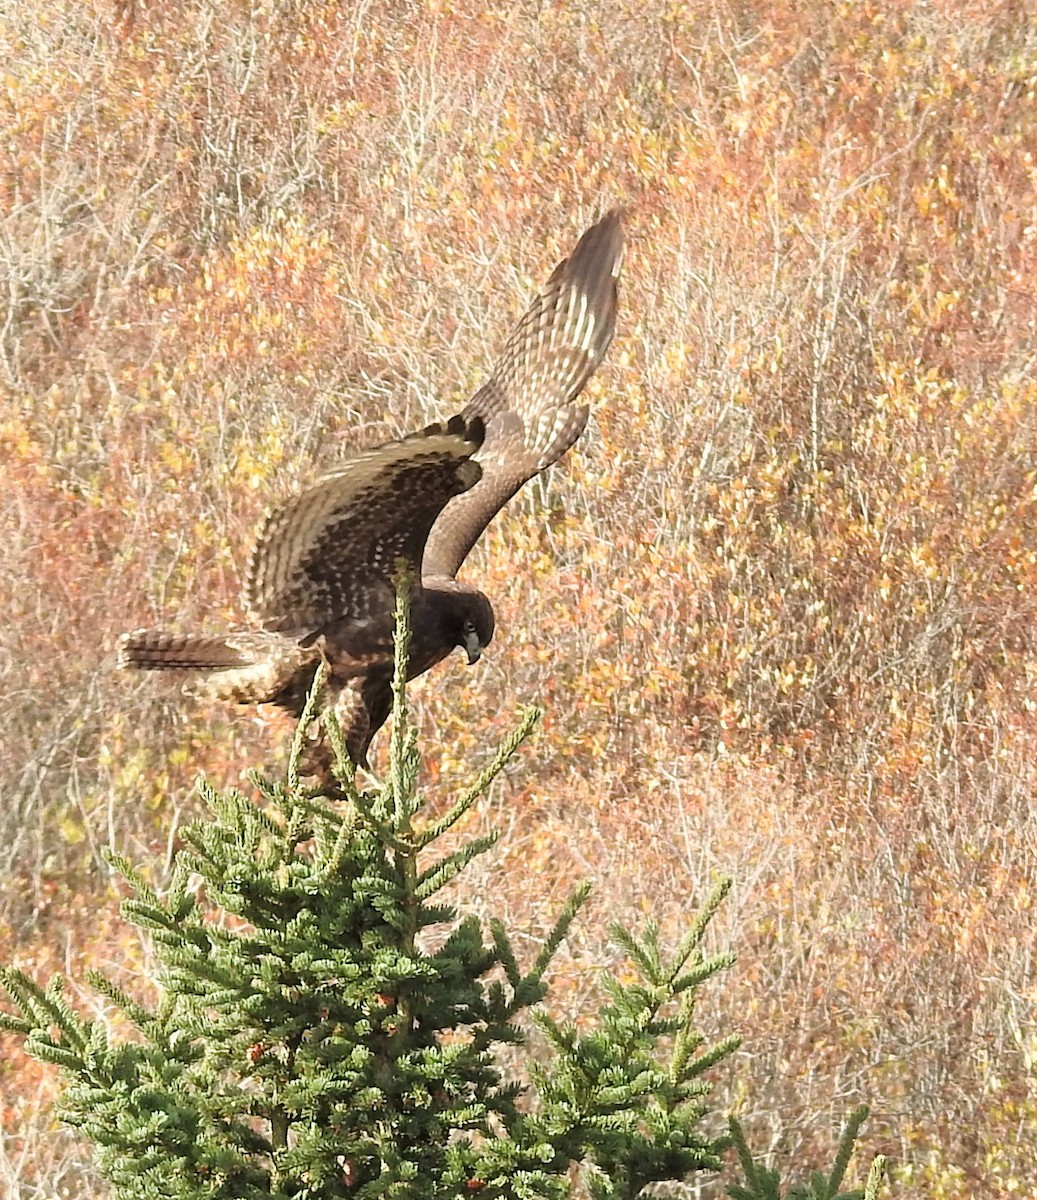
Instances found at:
x=331 y=551
x=528 y=403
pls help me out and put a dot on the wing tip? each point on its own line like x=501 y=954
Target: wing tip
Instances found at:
x=599 y=252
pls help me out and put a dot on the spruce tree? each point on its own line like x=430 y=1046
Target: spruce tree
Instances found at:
x=328 y=1026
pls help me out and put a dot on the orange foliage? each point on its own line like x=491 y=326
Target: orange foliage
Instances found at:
x=779 y=602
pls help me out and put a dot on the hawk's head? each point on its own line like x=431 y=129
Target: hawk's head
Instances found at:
x=471 y=623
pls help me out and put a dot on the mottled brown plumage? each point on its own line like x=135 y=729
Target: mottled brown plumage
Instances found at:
x=319 y=583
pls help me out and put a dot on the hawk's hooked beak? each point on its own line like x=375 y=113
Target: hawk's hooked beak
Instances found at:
x=472 y=647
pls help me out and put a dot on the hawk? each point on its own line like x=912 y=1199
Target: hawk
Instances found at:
x=319 y=584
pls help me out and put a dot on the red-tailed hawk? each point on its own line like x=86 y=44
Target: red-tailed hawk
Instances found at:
x=319 y=584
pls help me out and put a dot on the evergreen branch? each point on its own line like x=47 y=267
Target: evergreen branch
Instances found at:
x=693 y=938
x=610 y=1086
x=137 y=1013
x=846 y=1147
x=685 y=1044
x=209 y=795
x=43 y=1008
x=505 y=953
x=875 y=1177
x=561 y=1038
x=238 y=816
x=437 y=828
x=635 y=1008
x=703 y=971
x=447 y=869
x=338 y=854
x=153 y=917
x=403 y=804
x=50 y=1051
x=343 y=768
x=367 y=806
x=762 y=1183
x=72 y=1026
x=10 y=1024
x=402 y=772
x=561 y=928
x=503 y=1032
x=179 y=902
x=643 y=951
x=24 y=994
x=765 y=1183
x=124 y=868
x=320 y=678
x=314 y=805
x=716 y=1053
x=297 y=830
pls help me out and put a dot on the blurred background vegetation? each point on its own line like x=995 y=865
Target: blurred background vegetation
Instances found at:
x=781 y=601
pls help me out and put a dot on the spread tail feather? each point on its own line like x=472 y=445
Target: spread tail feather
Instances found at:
x=249 y=668
x=156 y=650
